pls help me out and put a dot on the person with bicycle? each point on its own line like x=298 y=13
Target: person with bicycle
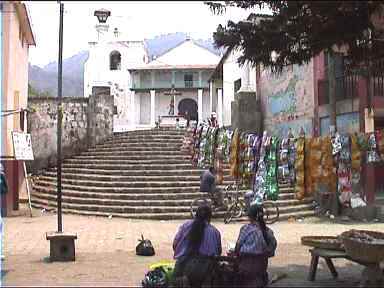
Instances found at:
x=255 y=244
x=208 y=184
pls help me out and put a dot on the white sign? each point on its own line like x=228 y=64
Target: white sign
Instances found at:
x=22 y=146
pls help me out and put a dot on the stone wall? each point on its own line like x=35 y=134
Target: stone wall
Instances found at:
x=86 y=121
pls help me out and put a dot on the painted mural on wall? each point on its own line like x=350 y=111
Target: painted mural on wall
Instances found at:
x=281 y=129
x=288 y=99
x=346 y=123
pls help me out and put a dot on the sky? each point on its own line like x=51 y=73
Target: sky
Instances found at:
x=136 y=20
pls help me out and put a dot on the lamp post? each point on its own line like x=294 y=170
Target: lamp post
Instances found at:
x=62 y=246
x=102 y=16
x=59 y=120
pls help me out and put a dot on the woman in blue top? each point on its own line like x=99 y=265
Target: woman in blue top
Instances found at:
x=195 y=240
x=255 y=244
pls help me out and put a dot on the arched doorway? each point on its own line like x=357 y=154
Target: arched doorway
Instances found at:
x=189 y=105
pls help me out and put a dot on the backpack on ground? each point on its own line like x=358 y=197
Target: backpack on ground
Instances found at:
x=145 y=247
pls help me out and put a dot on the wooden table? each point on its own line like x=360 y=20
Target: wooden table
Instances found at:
x=328 y=255
x=371 y=272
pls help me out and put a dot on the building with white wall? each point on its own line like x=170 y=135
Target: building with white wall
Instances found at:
x=179 y=76
x=142 y=89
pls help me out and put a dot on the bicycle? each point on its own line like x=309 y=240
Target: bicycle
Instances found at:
x=238 y=208
x=210 y=200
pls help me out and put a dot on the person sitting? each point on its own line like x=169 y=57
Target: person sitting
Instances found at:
x=208 y=184
x=195 y=240
x=255 y=244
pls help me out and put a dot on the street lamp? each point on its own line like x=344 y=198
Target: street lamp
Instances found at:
x=102 y=15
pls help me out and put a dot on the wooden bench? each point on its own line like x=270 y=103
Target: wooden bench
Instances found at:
x=328 y=255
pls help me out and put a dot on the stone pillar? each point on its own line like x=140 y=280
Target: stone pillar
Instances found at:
x=220 y=107
x=210 y=96
x=200 y=104
x=132 y=110
x=153 y=93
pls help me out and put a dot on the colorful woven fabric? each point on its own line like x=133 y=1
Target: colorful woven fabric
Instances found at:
x=271 y=186
x=234 y=155
x=299 y=168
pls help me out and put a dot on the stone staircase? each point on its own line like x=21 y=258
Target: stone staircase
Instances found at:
x=139 y=174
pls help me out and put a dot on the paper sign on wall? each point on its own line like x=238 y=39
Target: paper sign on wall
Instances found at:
x=22 y=146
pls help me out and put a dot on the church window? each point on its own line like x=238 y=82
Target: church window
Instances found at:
x=188 y=80
x=115 y=60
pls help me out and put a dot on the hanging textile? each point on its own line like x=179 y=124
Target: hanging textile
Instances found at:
x=256 y=156
x=315 y=165
x=328 y=178
x=261 y=172
x=219 y=165
x=355 y=163
x=271 y=186
x=380 y=143
x=372 y=153
x=283 y=161
x=203 y=146
x=299 y=168
x=344 y=171
x=196 y=145
x=307 y=166
x=234 y=154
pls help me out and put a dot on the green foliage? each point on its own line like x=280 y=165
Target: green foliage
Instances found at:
x=32 y=92
x=299 y=30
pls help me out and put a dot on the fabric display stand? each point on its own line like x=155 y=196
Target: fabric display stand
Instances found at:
x=330 y=165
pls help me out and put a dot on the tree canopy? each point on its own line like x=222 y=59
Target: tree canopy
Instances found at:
x=296 y=31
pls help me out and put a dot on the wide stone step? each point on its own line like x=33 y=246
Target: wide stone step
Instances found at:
x=112 y=200
x=118 y=206
x=130 y=166
x=139 y=141
x=129 y=178
x=40 y=190
x=166 y=215
x=136 y=146
x=119 y=189
x=138 y=149
x=130 y=156
x=124 y=183
x=118 y=162
x=115 y=209
x=124 y=172
x=127 y=152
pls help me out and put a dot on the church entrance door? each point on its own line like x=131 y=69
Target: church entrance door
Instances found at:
x=189 y=105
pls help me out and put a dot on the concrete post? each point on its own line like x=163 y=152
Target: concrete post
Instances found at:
x=153 y=93
x=200 y=104
x=220 y=107
x=210 y=96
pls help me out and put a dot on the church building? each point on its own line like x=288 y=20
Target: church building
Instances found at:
x=149 y=88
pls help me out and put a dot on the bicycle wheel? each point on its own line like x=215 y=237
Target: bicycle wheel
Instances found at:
x=234 y=211
x=196 y=203
x=271 y=212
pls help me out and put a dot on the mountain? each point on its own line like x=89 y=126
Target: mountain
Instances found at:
x=45 y=79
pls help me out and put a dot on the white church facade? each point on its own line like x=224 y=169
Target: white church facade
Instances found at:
x=148 y=91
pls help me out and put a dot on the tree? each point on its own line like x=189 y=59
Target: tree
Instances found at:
x=299 y=30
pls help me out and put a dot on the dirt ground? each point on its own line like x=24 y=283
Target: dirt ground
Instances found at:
x=105 y=251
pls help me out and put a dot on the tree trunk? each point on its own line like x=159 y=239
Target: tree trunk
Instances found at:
x=331 y=88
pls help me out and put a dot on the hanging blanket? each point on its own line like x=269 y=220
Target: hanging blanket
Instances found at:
x=299 y=168
x=234 y=155
x=271 y=186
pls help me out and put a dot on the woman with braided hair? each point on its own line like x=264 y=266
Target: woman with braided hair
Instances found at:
x=193 y=245
x=255 y=244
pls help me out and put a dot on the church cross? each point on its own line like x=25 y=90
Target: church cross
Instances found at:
x=173 y=94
